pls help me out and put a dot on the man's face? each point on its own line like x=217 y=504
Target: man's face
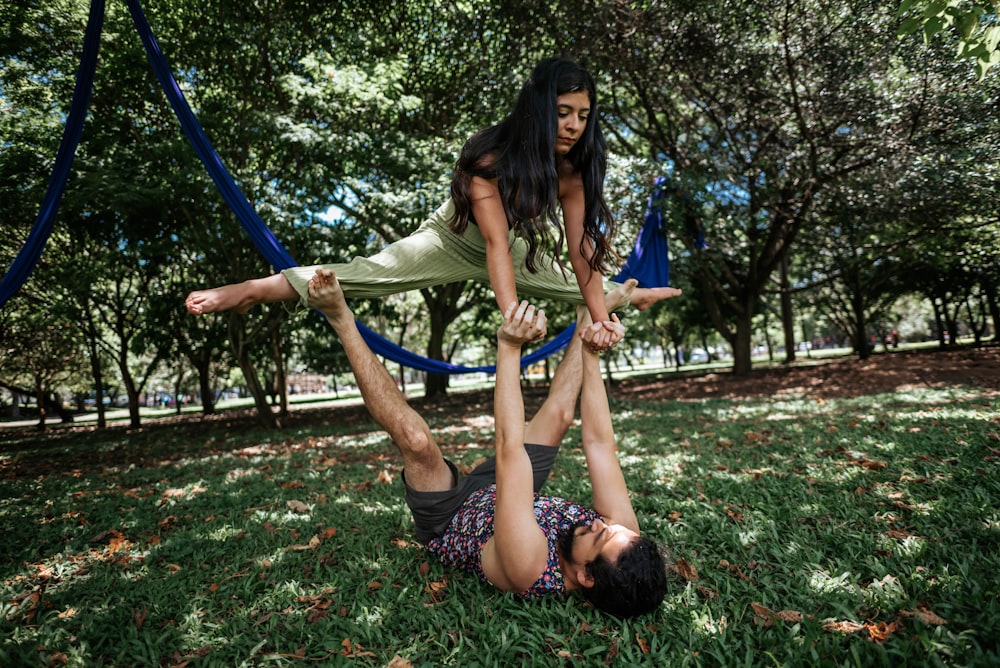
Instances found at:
x=584 y=542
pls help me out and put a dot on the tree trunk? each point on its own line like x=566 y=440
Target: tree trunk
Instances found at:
x=131 y=391
x=860 y=325
x=178 y=383
x=40 y=398
x=242 y=354
x=134 y=418
x=443 y=305
x=742 y=364
x=994 y=305
x=938 y=321
x=95 y=370
x=203 y=365
x=977 y=323
x=787 y=315
x=280 y=372
x=951 y=322
x=436 y=384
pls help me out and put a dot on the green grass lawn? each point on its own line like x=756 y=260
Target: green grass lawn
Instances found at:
x=860 y=532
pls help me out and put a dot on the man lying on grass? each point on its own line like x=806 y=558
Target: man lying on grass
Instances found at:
x=493 y=522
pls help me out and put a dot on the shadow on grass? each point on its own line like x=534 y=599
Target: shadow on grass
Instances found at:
x=858 y=531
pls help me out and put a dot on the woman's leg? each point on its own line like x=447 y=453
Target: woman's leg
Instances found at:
x=643 y=298
x=549 y=282
x=432 y=255
x=240 y=297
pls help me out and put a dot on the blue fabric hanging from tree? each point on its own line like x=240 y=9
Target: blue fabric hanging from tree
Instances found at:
x=262 y=237
x=26 y=259
x=649 y=261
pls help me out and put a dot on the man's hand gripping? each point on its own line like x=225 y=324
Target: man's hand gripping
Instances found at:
x=522 y=323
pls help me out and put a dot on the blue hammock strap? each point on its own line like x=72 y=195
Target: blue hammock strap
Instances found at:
x=26 y=259
x=381 y=346
x=265 y=241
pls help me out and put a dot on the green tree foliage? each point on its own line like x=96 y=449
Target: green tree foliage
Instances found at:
x=806 y=135
x=974 y=24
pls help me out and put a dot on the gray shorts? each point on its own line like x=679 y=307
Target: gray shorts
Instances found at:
x=432 y=511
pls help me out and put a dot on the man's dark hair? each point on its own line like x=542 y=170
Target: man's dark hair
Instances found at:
x=634 y=585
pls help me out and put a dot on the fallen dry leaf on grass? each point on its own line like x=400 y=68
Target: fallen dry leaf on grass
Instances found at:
x=925 y=615
x=437 y=590
x=313 y=544
x=353 y=650
x=767 y=617
x=686 y=570
x=880 y=631
x=735 y=570
x=843 y=627
x=297 y=506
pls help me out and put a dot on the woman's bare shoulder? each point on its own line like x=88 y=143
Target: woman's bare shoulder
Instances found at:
x=570 y=180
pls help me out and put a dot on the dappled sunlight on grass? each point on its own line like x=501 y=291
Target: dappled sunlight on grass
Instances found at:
x=810 y=532
x=383 y=508
x=705 y=624
x=910 y=547
x=370 y=617
x=279 y=516
x=235 y=474
x=824 y=583
x=224 y=532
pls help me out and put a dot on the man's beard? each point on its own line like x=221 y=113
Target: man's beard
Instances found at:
x=566 y=540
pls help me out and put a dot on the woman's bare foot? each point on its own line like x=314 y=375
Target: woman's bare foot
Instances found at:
x=620 y=295
x=241 y=297
x=227 y=298
x=643 y=298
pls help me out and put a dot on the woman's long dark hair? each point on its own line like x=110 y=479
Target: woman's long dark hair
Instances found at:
x=520 y=153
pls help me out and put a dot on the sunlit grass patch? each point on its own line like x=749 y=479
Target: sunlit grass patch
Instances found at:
x=846 y=532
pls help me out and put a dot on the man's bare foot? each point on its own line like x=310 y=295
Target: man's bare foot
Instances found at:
x=620 y=295
x=227 y=298
x=643 y=298
x=326 y=295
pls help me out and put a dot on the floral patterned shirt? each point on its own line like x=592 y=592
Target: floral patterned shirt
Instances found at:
x=461 y=546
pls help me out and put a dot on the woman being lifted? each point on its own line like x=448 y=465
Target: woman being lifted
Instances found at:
x=501 y=222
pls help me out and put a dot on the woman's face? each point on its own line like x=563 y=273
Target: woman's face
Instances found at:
x=573 y=110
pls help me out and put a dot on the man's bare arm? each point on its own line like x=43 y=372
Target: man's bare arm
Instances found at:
x=611 y=497
x=514 y=558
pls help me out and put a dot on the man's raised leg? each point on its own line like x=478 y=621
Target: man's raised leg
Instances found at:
x=426 y=470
